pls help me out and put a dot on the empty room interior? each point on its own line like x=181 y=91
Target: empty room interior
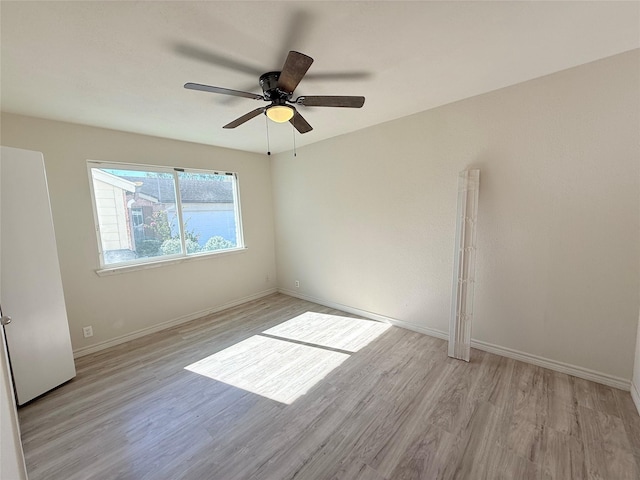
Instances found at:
x=320 y=240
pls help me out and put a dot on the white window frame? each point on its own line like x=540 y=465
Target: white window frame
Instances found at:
x=151 y=262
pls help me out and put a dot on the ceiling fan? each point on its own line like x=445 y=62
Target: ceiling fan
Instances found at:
x=277 y=88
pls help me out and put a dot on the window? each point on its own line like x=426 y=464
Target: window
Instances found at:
x=145 y=214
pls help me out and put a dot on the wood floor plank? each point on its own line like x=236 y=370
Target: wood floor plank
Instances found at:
x=281 y=388
x=608 y=453
x=423 y=418
x=424 y=456
x=563 y=456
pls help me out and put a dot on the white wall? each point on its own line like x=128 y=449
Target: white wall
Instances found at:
x=121 y=304
x=367 y=219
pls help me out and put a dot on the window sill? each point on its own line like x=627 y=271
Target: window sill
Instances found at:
x=103 y=272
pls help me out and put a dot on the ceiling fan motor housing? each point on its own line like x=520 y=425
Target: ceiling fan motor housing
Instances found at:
x=278 y=88
x=269 y=84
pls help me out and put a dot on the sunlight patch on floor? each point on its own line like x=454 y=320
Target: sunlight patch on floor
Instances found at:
x=307 y=348
x=344 y=333
x=276 y=369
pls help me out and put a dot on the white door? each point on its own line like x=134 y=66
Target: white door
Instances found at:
x=12 y=464
x=31 y=287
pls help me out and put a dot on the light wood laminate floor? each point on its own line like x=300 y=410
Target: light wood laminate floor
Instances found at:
x=280 y=388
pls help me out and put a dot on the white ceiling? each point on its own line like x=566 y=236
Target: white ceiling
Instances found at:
x=122 y=65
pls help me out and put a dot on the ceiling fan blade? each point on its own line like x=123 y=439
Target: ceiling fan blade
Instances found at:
x=224 y=91
x=213 y=58
x=298 y=28
x=293 y=70
x=331 y=101
x=355 y=75
x=245 y=117
x=300 y=123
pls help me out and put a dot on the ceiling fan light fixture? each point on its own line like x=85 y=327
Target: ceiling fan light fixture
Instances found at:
x=280 y=113
x=278 y=88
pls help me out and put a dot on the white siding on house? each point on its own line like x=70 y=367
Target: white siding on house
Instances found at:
x=112 y=215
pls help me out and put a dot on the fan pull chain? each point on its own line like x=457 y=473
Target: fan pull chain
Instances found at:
x=268 y=145
x=293 y=130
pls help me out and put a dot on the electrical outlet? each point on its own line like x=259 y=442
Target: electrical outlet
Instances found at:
x=87 y=331
x=297 y=284
x=267 y=278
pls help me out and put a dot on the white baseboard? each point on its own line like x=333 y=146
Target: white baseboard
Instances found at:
x=574 y=370
x=569 y=369
x=80 y=352
x=635 y=394
x=432 y=332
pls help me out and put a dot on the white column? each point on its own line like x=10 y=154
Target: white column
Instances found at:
x=635 y=381
x=464 y=265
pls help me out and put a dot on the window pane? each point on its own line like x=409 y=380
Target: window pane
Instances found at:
x=208 y=211
x=136 y=214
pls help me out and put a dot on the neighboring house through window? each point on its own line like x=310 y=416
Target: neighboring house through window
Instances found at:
x=147 y=213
